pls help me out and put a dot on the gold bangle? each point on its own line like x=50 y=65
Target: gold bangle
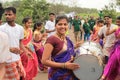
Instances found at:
x=64 y=66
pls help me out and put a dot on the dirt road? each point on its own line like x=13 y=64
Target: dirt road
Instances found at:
x=42 y=76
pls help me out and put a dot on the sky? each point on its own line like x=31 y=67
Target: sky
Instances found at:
x=98 y=4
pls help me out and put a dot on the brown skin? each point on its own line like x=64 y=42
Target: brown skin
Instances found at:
x=118 y=23
x=38 y=35
x=0 y=22
x=27 y=26
x=108 y=22
x=110 y=32
x=2 y=70
x=61 y=28
x=10 y=19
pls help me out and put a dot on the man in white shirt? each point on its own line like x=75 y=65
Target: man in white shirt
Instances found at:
x=109 y=39
x=4 y=53
x=50 y=25
x=15 y=34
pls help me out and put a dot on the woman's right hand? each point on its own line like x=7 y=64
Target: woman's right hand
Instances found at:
x=70 y=65
x=29 y=55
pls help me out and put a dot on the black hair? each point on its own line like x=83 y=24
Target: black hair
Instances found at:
x=59 y=17
x=100 y=21
x=51 y=14
x=108 y=16
x=36 y=25
x=101 y=11
x=11 y=9
x=0 y=4
x=1 y=11
x=118 y=18
x=25 y=20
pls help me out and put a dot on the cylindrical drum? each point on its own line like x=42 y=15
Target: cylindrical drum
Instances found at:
x=89 y=57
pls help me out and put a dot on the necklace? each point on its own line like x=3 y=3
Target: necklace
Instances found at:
x=62 y=37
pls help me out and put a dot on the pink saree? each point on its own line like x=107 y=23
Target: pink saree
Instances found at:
x=39 y=51
x=30 y=64
x=112 y=69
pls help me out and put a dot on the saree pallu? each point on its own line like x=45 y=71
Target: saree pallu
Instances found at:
x=94 y=36
x=30 y=64
x=112 y=69
x=39 y=51
x=59 y=73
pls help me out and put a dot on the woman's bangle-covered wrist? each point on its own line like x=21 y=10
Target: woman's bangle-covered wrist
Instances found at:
x=64 y=66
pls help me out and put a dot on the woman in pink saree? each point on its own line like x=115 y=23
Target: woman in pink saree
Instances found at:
x=38 y=42
x=28 y=57
x=112 y=69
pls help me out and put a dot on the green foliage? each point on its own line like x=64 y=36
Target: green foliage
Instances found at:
x=58 y=8
x=110 y=10
x=36 y=9
x=118 y=2
x=39 y=10
x=87 y=15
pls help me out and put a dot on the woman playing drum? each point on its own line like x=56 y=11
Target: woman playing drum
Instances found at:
x=59 y=52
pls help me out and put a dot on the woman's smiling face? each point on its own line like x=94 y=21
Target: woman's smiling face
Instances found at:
x=62 y=26
x=28 y=23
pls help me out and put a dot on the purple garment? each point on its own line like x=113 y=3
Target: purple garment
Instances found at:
x=39 y=53
x=39 y=56
x=112 y=69
x=59 y=73
x=101 y=43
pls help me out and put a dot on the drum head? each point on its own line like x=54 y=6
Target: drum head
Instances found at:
x=90 y=69
x=90 y=47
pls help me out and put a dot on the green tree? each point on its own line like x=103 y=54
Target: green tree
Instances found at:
x=37 y=9
x=57 y=8
x=118 y=2
x=110 y=10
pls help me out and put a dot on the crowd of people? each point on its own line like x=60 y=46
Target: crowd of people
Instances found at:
x=24 y=50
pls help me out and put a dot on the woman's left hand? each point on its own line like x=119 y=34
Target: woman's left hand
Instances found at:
x=79 y=43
